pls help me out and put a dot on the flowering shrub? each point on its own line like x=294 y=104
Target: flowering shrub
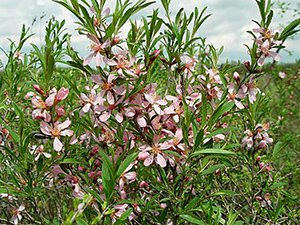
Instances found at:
x=157 y=133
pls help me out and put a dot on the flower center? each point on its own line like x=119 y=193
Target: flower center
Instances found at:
x=106 y=87
x=155 y=149
x=40 y=104
x=55 y=132
x=40 y=150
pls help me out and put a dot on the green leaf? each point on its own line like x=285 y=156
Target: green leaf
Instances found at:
x=220 y=131
x=212 y=169
x=224 y=192
x=14 y=135
x=270 y=17
x=125 y=164
x=231 y=218
x=199 y=139
x=213 y=151
x=20 y=113
x=278 y=147
x=81 y=221
x=40 y=56
x=124 y=216
x=223 y=108
x=71 y=161
x=193 y=219
x=279 y=184
x=239 y=222
x=94 y=194
x=11 y=192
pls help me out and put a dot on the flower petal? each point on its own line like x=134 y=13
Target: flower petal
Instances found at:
x=57 y=145
x=160 y=160
x=149 y=160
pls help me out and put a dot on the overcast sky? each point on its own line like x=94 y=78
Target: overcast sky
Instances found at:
x=226 y=27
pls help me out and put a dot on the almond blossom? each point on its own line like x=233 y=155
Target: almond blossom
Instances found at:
x=282 y=75
x=97 y=48
x=252 y=90
x=233 y=96
x=175 y=110
x=92 y=99
x=40 y=151
x=55 y=131
x=248 y=140
x=16 y=218
x=264 y=50
x=137 y=111
x=120 y=61
x=109 y=87
x=128 y=177
x=156 y=154
x=40 y=109
x=155 y=100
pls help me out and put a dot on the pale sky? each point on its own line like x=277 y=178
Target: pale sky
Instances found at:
x=226 y=27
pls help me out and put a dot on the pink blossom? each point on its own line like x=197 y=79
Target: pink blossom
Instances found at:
x=163 y=205
x=252 y=90
x=91 y=100
x=62 y=94
x=175 y=142
x=40 y=151
x=60 y=111
x=248 y=140
x=119 y=62
x=16 y=218
x=55 y=131
x=40 y=109
x=175 y=110
x=126 y=176
x=137 y=111
x=233 y=96
x=264 y=50
x=282 y=75
x=97 y=49
x=156 y=152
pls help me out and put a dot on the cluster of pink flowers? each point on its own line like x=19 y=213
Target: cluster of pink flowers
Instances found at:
x=266 y=201
x=157 y=135
x=50 y=124
x=265 y=42
x=258 y=138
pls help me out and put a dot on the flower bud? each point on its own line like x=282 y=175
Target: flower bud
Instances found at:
x=94 y=151
x=225 y=114
x=258 y=158
x=74 y=180
x=60 y=111
x=218 y=172
x=143 y=183
x=236 y=77
x=62 y=94
x=97 y=163
x=259 y=198
x=247 y=63
x=262 y=144
x=163 y=205
x=262 y=165
x=91 y=174
x=268 y=196
x=39 y=90
x=116 y=40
